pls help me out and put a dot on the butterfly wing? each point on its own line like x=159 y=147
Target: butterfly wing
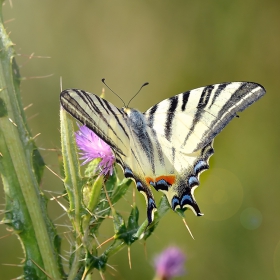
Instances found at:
x=192 y=119
x=184 y=127
x=113 y=126
x=99 y=115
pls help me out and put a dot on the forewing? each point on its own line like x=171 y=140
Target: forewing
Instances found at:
x=192 y=119
x=99 y=115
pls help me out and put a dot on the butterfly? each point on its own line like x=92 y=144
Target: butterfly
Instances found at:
x=168 y=146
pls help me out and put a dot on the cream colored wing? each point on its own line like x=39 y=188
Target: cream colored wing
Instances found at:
x=192 y=119
x=99 y=115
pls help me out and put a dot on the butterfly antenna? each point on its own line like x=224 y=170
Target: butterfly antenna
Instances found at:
x=145 y=84
x=188 y=228
x=103 y=81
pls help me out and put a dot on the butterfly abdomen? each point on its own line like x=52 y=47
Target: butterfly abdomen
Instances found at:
x=141 y=138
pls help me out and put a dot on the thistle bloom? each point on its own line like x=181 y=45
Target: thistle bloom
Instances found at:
x=93 y=147
x=169 y=264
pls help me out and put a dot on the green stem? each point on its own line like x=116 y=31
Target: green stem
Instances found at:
x=26 y=205
x=73 y=185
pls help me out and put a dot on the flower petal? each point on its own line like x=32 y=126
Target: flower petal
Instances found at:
x=92 y=147
x=170 y=263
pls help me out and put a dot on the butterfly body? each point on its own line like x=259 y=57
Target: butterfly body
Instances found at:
x=168 y=146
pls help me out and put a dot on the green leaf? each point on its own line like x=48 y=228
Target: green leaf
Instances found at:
x=132 y=226
x=120 y=190
x=119 y=225
x=95 y=262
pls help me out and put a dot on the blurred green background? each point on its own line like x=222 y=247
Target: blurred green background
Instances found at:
x=175 y=46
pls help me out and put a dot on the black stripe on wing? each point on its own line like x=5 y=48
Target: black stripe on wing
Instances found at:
x=140 y=136
x=203 y=101
x=116 y=117
x=89 y=102
x=152 y=112
x=173 y=103
x=242 y=98
x=186 y=96
x=70 y=104
x=212 y=106
x=158 y=147
x=217 y=92
x=107 y=107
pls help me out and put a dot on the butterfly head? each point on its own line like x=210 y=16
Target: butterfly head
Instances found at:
x=135 y=120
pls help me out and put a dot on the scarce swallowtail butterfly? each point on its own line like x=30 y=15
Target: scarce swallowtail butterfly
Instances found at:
x=169 y=145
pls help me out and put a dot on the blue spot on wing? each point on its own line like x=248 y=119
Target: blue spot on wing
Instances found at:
x=186 y=199
x=139 y=186
x=151 y=202
x=200 y=165
x=162 y=185
x=152 y=183
x=128 y=173
x=175 y=202
x=193 y=181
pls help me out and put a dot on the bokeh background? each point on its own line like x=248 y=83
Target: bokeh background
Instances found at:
x=175 y=46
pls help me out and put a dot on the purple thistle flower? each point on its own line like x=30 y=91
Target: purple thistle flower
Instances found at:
x=93 y=147
x=170 y=263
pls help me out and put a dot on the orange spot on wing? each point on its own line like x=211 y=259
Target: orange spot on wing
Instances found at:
x=170 y=179
x=149 y=180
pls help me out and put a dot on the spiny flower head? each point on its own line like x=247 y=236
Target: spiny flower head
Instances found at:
x=92 y=147
x=170 y=263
